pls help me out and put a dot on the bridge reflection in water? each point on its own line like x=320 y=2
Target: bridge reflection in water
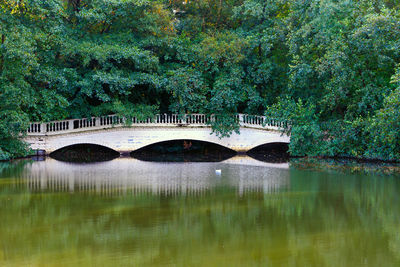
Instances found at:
x=124 y=176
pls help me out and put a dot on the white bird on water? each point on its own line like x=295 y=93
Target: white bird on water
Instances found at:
x=218 y=172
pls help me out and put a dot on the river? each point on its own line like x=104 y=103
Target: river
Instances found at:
x=239 y=212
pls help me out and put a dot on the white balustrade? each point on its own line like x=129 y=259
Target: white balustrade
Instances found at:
x=160 y=120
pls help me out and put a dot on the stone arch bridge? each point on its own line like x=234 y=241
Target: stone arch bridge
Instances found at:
x=115 y=133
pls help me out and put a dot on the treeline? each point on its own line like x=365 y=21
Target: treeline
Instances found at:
x=330 y=67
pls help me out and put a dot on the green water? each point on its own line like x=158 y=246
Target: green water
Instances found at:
x=131 y=213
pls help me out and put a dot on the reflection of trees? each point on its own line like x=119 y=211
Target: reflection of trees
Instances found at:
x=322 y=220
x=12 y=168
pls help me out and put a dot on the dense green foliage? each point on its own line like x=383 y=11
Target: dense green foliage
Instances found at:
x=331 y=67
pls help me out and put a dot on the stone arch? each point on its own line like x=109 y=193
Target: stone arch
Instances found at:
x=270 y=144
x=182 y=150
x=276 y=152
x=84 y=152
x=182 y=139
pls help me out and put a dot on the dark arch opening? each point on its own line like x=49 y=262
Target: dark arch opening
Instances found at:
x=84 y=153
x=183 y=150
x=271 y=152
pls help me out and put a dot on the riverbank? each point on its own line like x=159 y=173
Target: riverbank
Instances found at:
x=347 y=165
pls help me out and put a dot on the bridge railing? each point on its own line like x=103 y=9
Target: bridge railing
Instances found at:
x=168 y=120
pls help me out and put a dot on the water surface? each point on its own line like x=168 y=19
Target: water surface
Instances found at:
x=127 y=212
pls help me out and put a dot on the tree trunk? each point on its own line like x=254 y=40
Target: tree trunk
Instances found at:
x=3 y=39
